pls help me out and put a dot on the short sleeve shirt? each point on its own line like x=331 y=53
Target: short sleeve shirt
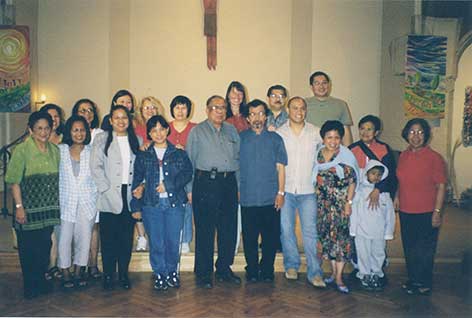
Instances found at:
x=330 y=109
x=259 y=155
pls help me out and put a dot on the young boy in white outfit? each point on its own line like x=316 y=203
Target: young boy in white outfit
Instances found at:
x=371 y=227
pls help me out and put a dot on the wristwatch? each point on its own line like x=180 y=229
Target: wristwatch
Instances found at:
x=438 y=211
x=281 y=193
x=349 y=202
x=18 y=205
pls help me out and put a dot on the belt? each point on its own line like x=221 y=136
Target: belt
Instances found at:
x=203 y=173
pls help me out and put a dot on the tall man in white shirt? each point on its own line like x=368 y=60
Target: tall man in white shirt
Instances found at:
x=301 y=141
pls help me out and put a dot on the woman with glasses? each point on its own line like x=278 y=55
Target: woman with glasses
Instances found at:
x=422 y=178
x=87 y=109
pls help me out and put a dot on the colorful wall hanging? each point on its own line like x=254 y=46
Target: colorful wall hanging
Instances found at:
x=15 y=90
x=209 y=30
x=425 y=70
x=467 y=129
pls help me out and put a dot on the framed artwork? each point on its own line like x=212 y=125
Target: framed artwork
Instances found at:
x=425 y=71
x=467 y=128
x=15 y=88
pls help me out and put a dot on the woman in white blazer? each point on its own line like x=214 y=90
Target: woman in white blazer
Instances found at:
x=112 y=160
x=78 y=197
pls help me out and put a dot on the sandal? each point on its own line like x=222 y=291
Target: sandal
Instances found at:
x=94 y=273
x=329 y=280
x=80 y=279
x=53 y=272
x=68 y=284
x=342 y=289
x=424 y=291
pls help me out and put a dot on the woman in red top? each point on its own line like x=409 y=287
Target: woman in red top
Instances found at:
x=236 y=100
x=421 y=174
x=180 y=109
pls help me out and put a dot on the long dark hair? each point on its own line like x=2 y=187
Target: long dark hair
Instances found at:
x=240 y=88
x=67 y=136
x=132 y=139
x=75 y=111
x=121 y=93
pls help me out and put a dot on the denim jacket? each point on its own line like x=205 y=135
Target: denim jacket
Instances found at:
x=177 y=170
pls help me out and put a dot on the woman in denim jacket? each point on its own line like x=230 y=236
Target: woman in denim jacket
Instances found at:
x=165 y=170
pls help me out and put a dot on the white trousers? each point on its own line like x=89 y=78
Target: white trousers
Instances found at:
x=79 y=234
x=370 y=256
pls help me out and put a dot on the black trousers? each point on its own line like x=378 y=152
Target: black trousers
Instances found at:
x=419 y=240
x=260 y=221
x=215 y=205
x=33 y=249
x=116 y=238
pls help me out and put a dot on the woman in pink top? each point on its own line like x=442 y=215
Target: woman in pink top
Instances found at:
x=421 y=174
x=180 y=110
x=236 y=100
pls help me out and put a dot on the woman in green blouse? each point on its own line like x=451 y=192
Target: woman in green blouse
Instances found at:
x=33 y=173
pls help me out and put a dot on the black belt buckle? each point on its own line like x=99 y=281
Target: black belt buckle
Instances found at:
x=213 y=173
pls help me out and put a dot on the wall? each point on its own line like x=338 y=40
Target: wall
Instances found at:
x=347 y=45
x=168 y=49
x=463 y=155
x=73 y=51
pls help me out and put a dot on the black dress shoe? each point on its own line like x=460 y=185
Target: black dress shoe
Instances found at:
x=124 y=282
x=205 y=282
x=228 y=277
x=108 y=282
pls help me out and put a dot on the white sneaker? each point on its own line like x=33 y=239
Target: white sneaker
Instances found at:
x=185 y=248
x=141 y=245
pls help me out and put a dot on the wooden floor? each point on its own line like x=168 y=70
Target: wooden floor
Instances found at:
x=451 y=298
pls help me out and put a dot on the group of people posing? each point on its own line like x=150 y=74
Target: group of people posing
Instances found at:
x=254 y=163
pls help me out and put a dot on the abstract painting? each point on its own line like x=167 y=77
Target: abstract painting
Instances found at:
x=15 y=90
x=467 y=129
x=425 y=70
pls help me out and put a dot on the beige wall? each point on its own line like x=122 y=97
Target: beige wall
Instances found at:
x=73 y=51
x=463 y=155
x=168 y=49
x=347 y=45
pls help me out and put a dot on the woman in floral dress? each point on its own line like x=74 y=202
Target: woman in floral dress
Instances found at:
x=335 y=177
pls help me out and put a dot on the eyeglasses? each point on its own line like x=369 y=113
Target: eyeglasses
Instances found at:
x=320 y=83
x=86 y=111
x=259 y=114
x=280 y=96
x=149 y=107
x=221 y=108
x=416 y=132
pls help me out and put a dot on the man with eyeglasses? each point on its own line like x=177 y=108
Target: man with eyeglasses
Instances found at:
x=262 y=175
x=301 y=140
x=322 y=107
x=213 y=148
x=277 y=97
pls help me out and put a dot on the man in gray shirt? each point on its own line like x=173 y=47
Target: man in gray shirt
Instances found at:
x=213 y=148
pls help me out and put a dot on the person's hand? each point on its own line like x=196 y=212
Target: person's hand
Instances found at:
x=136 y=215
x=347 y=209
x=20 y=215
x=396 y=204
x=436 y=219
x=374 y=199
x=179 y=146
x=138 y=192
x=279 y=201
x=189 y=197
x=145 y=146
x=161 y=188
x=271 y=128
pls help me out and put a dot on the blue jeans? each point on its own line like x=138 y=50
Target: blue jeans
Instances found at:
x=188 y=224
x=306 y=205
x=163 y=225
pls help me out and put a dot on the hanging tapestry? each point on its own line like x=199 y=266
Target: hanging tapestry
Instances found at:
x=15 y=91
x=467 y=129
x=425 y=70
